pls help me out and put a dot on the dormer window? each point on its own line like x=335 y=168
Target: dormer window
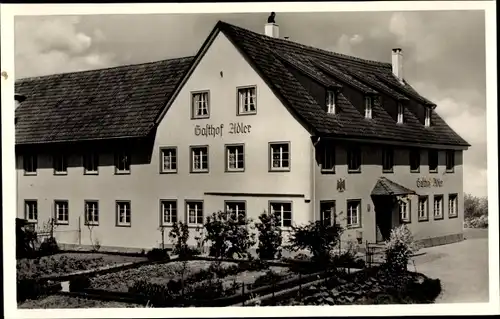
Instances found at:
x=368 y=106
x=427 y=116
x=401 y=111
x=330 y=102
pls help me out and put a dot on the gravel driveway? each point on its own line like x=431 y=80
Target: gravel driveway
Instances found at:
x=462 y=268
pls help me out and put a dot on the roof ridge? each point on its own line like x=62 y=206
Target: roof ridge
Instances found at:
x=310 y=47
x=34 y=78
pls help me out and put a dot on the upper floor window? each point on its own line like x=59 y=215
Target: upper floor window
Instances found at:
x=123 y=212
x=92 y=213
x=122 y=163
x=30 y=164
x=31 y=211
x=328 y=158
x=354 y=213
x=283 y=211
x=199 y=159
x=433 y=157
x=450 y=161
x=414 y=160
x=168 y=212
x=61 y=212
x=388 y=160
x=236 y=210
x=428 y=112
x=235 y=158
x=327 y=211
x=168 y=160
x=354 y=159
x=279 y=156
x=91 y=163
x=60 y=163
x=369 y=101
x=195 y=212
x=401 y=111
x=247 y=100
x=200 y=105
x=330 y=102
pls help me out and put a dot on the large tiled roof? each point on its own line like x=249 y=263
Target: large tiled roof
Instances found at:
x=270 y=55
x=98 y=104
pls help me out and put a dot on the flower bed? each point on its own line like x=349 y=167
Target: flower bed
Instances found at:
x=66 y=263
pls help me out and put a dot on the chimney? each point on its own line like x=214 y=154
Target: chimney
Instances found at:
x=397 y=63
x=272 y=29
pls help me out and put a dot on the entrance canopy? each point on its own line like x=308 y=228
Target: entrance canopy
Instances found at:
x=385 y=186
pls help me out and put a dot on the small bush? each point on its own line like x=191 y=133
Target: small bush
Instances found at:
x=158 y=254
x=180 y=235
x=270 y=237
x=477 y=222
x=399 y=248
x=49 y=247
x=79 y=283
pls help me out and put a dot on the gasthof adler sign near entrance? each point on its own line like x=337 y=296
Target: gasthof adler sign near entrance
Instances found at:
x=218 y=130
x=429 y=182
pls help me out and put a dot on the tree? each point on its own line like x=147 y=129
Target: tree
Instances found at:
x=270 y=236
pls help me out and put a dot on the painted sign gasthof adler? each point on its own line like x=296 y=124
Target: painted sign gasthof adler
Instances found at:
x=341 y=184
x=429 y=182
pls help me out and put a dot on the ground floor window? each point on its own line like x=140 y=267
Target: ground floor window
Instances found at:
x=282 y=210
x=61 y=208
x=168 y=212
x=195 y=212
x=423 y=207
x=31 y=211
x=236 y=209
x=452 y=205
x=327 y=212
x=123 y=213
x=354 y=213
x=404 y=210
x=92 y=213
x=438 y=206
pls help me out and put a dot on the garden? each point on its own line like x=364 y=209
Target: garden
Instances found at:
x=229 y=275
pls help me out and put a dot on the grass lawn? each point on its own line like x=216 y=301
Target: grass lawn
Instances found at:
x=65 y=263
x=59 y=302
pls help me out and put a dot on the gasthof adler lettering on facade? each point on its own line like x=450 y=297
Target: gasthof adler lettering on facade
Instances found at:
x=252 y=123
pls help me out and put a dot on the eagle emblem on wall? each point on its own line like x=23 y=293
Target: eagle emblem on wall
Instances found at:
x=341 y=184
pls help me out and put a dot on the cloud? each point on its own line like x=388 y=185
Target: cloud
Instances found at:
x=48 y=45
x=346 y=43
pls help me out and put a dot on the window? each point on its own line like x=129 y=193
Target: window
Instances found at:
x=354 y=159
x=168 y=212
x=91 y=163
x=353 y=213
x=30 y=164
x=31 y=211
x=450 y=161
x=168 y=160
x=200 y=104
x=330 y=102
x=123 y=213
x=280 y=156
x=438 y=206
x=60 y=164
x=328 y=158
x=423 y=214
x=401 y=111
x=247 y=101
x=199 y=159
x=236 y=210
x=61 y=211
x=388 y=160
x=368 y=107
x=327 y=212
x=414 y=160
x=427 y=116
x=92 y=213
x=195 y=212
x=404 y=210
x=283 y=211
x=433 y=161
x=122 y=165
x=235 y=158
x=452 y=205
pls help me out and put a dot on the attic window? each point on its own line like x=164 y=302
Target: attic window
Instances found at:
x=427 y=116
x=368 y=106
x=330 y=102
x=401 y=111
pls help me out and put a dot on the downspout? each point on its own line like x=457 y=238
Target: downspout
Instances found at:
x=313 y=195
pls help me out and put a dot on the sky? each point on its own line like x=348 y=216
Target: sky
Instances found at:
x=444 y=53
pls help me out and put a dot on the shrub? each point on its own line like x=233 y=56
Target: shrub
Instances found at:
x=79 y=283
x=228 y=235
x=270 y=237
x=157 y=254
x=477 y=222
x=26 y=239
x=399 y=248
x=318 y=238
x=49 y=247
x=180 y=235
